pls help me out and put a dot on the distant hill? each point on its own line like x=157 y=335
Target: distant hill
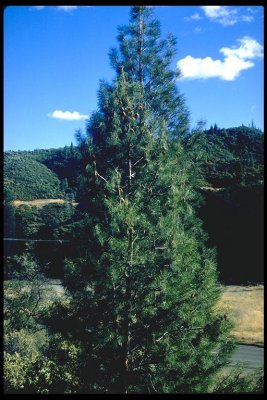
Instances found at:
x=232 y=213
x=65 y=162
x=28 y=179
x=230 y=157
x=234 y=156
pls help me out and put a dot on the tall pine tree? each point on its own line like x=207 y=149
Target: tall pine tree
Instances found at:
x=142 y=295
x=146 y=58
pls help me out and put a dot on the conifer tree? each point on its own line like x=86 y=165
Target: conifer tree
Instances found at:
x=142 y=294
x=146 y=59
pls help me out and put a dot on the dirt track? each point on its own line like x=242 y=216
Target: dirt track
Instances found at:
x=39 y=202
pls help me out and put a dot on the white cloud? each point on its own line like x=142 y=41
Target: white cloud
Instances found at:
x=222 y=14
x=249 y=48
x=67 y=8
x=253 y=10
x=68 y=115
x=236 y=59
x=194 y=17
x=226 y=15
x=203 y=68
x=60 y=8
x=38 y=7
x=247 y=18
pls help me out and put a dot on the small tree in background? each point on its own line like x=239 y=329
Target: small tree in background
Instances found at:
x=24 y=338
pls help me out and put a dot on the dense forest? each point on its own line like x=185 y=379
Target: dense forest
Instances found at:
x=147 y=205
x=26 y=178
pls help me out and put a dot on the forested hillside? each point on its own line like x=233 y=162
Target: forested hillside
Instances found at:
x=232 y=212
x=228 y=157
x=232 y=157
x=231 y=164
x=27 y=179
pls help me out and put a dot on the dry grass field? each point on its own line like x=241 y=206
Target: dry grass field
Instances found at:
x=244 y=305
x=38 y=202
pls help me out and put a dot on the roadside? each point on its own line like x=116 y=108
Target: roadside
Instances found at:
x=245 y=305
x=242 y=304
x=252 y=357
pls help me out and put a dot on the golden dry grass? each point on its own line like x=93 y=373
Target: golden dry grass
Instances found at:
x=38 y=202
x=244 y=305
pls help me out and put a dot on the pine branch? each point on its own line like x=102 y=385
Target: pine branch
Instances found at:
x=97 y=174
x=100 y=176
x=159 y=339
x=152 y=384
x=138 y=161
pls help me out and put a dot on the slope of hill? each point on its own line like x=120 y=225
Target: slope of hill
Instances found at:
x=232 y=211
x=234 y=156
x=65 y=162
x=28 y=179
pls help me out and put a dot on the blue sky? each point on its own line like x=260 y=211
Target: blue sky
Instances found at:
x=54 y=58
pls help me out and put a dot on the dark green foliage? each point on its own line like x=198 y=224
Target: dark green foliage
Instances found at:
x=53 y=221
x=29 y=179
x=9 y=214
x=65 y=163
x=23 y=292
x=28 y=222
x=57 y=224
x=9 y=221
x=56 y=219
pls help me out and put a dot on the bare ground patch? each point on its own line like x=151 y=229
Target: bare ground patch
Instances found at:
x=39 y=202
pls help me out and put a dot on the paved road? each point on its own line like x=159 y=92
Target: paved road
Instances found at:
x=252 y=356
